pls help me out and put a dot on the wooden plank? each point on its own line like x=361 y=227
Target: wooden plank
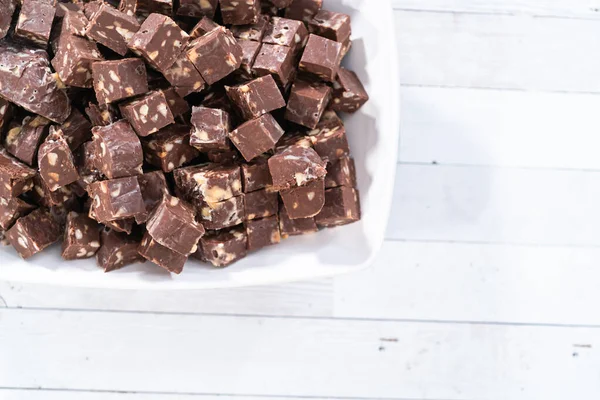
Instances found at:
x=485 y=283
x=474 y=282
x=496 y=205
x=555 y=8
x=498 y=51
x=303 y=357
x=16 y=394
x=500 y=128
x=313 y=299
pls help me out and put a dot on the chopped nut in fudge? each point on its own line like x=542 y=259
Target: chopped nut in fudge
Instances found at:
x=222 y=214
x=253 y=32
x=16 y=178
x=184 y=76
x=261 y=203
x=286 y=32
x=73 y=60
x=35 y=21
x=342 y=172
x=236 y=12
x=332 y=25
x=256 y=175
x=209 y=182
x=11 y=209
x=117 y=199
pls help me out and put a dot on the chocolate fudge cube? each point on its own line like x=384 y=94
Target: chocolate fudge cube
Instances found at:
x=73 y=60
x=216 y=97
x=35 y=21
x=160 y=41
x=119 y=150
x=147 y=114
x=210 y=183
x=256 y=136
x=224 y=247
x=184 y=77
x=6 y=13
x=332 y=25
x=81 y=237
x=222 y=214
x=304 y=201
x=33 y=233
x=286 y=32
x=294 y=227
x=56 y=162
x=169 y=148
x=250 y=50
x=16 y=178
x=73 y=21
x=177 y=104
x=215 y=55
x=235 y=12
x=211 y=128
x=261 y=203
x=197 y=8
x=153 y=186
x=342 y=207
x=23 y=141
x=321 y=57
x=349 y=94
x=256 y=175
x=112 y=28
x=118 y=250
x=256 y=97
x=262 y=232
x=203 y=26
x=275 y=60
x=332 y=144
x=307 y=102
x=296 y=166
x=173 y=225
x=29 y=70
x=119 y=79
x=253 y=32
x=11 y=209
x=42 y=195
x=102 y=115
x=117 y=199
x=160 y=255
x=303 y=10
x=89 y=9
x=341 y=173
x=76 y=129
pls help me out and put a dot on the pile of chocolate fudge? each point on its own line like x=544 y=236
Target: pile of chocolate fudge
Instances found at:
x=159 y=130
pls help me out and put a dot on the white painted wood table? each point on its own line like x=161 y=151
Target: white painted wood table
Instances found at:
x=486 y=288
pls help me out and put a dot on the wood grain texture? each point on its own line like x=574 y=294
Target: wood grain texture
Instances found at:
x=500 y=128
x=241 y=355
x=496 y=205
x=498 y=51
x=551 y=8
